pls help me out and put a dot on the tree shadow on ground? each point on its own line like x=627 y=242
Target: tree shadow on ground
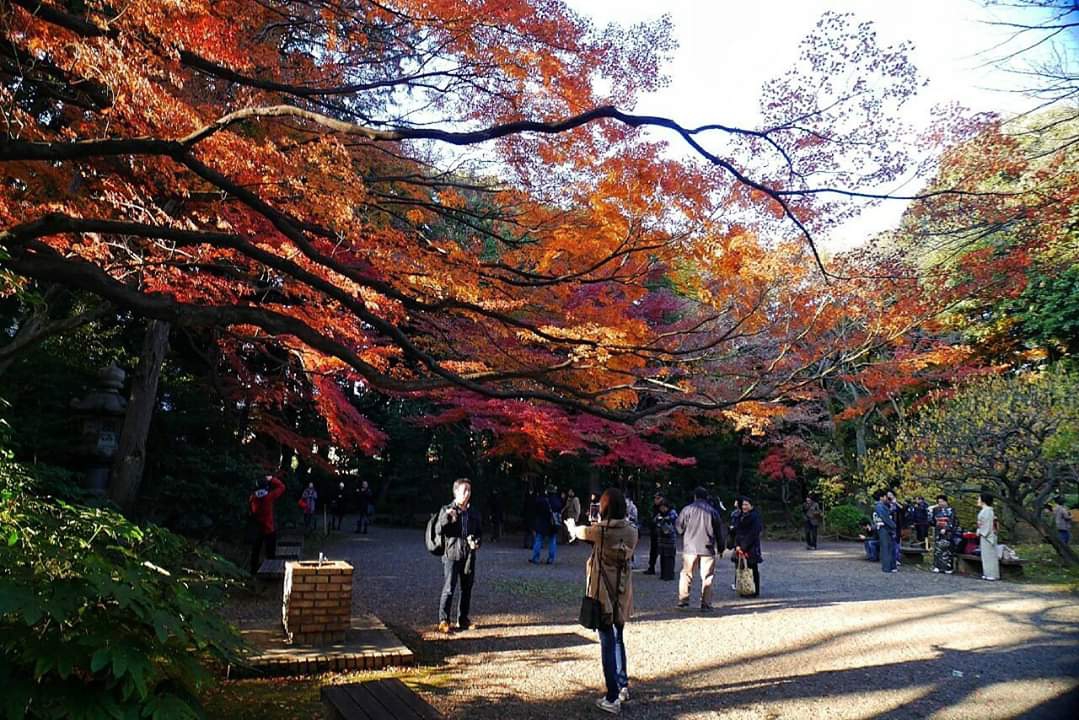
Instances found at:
x=936 y=688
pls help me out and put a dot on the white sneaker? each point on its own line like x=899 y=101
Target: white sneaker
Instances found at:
x=936 y=570
x=623 y=695
x=611 y=707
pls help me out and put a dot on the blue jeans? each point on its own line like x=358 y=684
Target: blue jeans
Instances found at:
x=872 y=549
x=612 y=650
x=1065 y=536
x=552 y=547
x=887 y=549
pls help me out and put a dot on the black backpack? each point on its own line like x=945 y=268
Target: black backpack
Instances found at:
x=436 y=544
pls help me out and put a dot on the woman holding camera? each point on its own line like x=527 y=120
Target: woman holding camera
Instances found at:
x=610 y=582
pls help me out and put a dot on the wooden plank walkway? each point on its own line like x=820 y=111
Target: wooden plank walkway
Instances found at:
x=388 y=699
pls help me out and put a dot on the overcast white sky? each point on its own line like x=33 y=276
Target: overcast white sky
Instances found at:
x=728 y=48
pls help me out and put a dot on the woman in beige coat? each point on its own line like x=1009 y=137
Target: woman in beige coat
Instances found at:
x=610 y=581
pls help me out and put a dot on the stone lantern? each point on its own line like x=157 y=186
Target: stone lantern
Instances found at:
x=102 y=416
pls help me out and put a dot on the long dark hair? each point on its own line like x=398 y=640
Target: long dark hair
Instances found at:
x=612 y=505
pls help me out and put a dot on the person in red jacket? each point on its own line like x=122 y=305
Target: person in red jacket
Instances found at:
x=262 y=501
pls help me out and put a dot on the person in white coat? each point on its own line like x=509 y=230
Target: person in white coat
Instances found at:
x=987 y=534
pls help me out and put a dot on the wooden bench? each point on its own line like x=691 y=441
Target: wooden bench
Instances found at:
x=913 y=554
x=972 y=565
x=388 y=699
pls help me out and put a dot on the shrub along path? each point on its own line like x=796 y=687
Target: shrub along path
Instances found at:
x=830 y=637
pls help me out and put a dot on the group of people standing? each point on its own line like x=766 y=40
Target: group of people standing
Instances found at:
x=889 y=519
x=705 y=537
x=341 y=500
x=609 y=575
x=270 y=488
x=545 y=515
x=610 y=526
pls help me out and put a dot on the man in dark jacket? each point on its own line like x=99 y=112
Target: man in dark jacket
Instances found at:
x=338 y=503
x=365 y=504
x=702 y=539
x=885 y=524
x=261 y=504
x=528 y=510
x=747 y=541
x=546 y=520
x=461 y=528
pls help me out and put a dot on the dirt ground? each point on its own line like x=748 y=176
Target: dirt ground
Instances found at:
x=830 y=637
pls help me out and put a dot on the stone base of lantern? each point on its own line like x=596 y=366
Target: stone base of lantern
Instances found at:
x=316 y=605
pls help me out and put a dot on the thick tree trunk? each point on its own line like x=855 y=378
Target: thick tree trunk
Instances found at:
x=131 y=454
x=29 y=329
x=1048 y=534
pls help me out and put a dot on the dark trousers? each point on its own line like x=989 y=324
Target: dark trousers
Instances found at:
x=336 y=519
x=811 y=535
x=453 y=572
x=653 y=550
x=308 y=521
x=267 y=540
x=921 y=532
x=362 y=522
x=666 y=567
x=887 y=549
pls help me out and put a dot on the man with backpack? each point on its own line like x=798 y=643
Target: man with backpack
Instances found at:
x=546 y=521
x=663 y=529
x=455 y=533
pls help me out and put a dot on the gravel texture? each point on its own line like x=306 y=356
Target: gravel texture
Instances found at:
x=830 y=637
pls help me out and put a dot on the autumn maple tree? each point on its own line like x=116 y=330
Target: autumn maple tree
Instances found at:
x=296 y=176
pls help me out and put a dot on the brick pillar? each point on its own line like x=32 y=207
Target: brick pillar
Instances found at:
x=317 y=601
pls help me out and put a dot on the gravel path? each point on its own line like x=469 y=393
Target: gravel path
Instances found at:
x=830 y=637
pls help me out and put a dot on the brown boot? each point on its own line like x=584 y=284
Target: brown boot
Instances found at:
x=444 y=627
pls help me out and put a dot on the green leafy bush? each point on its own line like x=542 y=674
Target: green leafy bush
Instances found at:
x=101 y=618
x=845 y=520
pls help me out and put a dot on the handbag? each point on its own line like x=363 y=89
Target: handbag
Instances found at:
x=744 y=579
x=591 y=615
